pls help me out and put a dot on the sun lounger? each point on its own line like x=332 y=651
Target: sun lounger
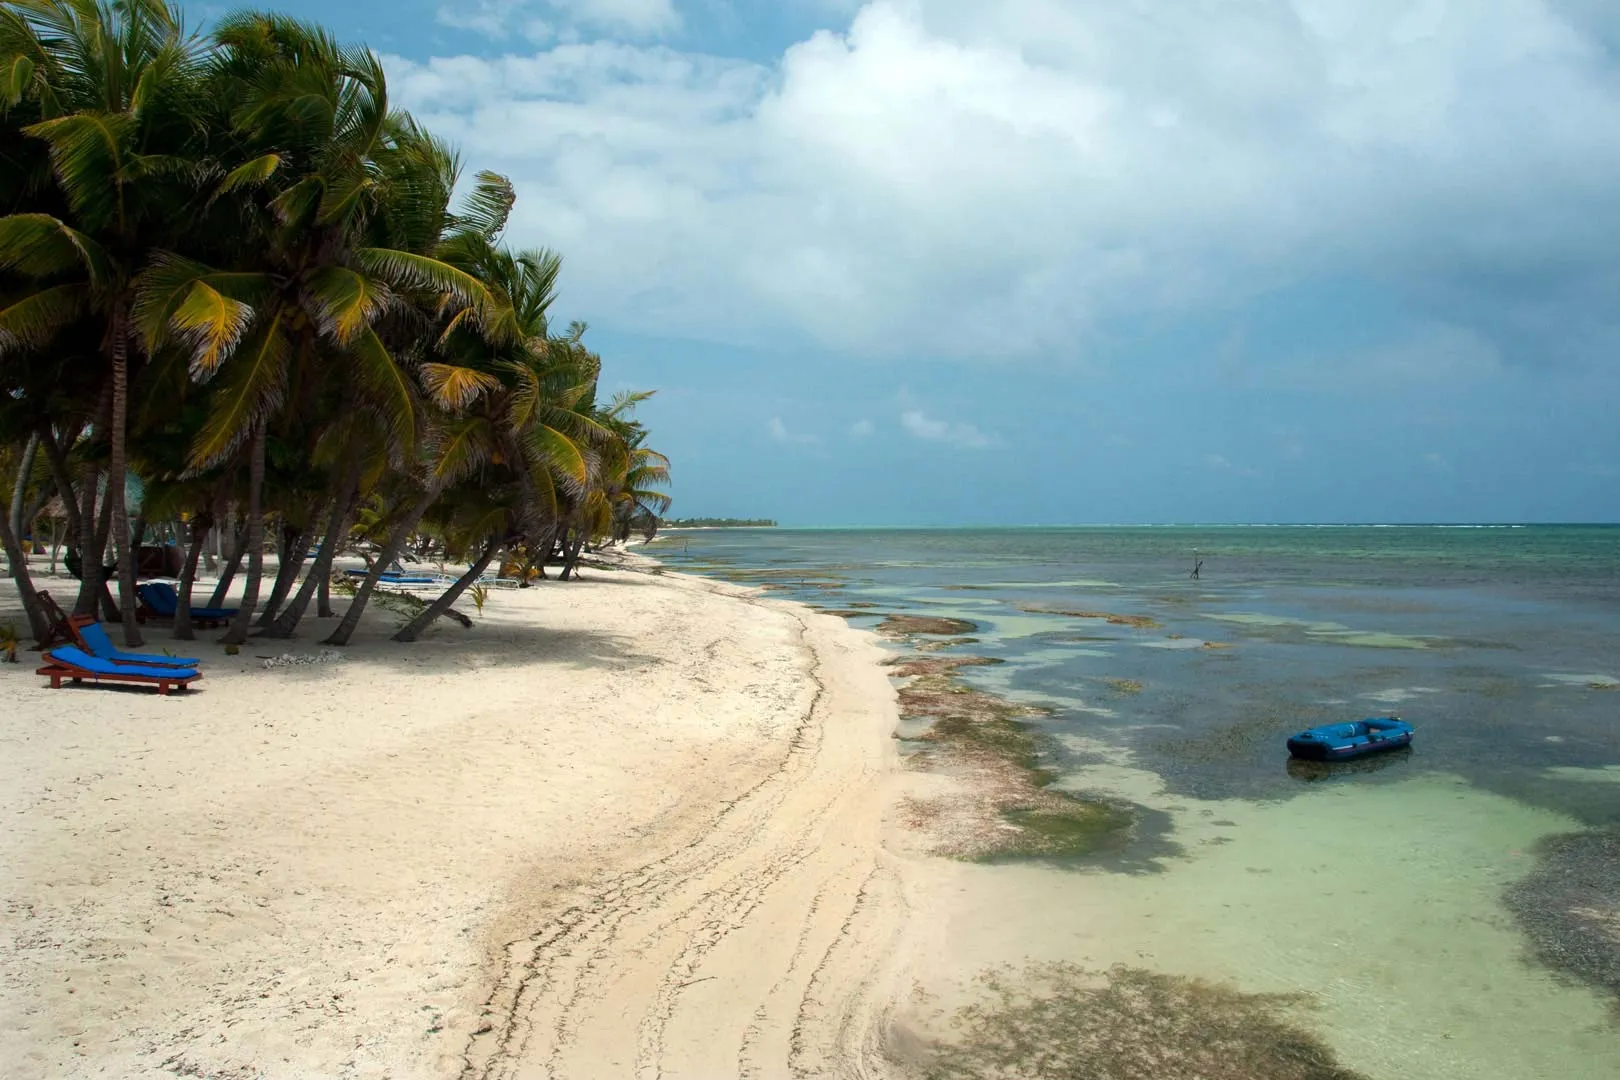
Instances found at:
x=159 y=600
x=93 y=639
x=61 y=631
x=73 y=663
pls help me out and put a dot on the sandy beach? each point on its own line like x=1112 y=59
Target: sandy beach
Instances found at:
x=630 y=826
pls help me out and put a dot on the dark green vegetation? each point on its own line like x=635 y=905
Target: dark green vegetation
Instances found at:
x=720 y=523
x=1138 y=622
x=235 y=281
x=1061 y=1022
x=989 y=743
x=1569 y=907
x=900 y=625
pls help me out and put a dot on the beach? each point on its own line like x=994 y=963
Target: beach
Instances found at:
x=626 y=826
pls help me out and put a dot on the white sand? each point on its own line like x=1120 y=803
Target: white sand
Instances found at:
x=631 y=826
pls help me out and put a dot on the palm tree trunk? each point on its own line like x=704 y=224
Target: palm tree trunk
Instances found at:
x=255 y=541
x=19 y=491
x=323 y=597
x=292 y=560
x=570 y=569
x=238 y=549
x=103 y=595
x=56 y=458
x=92 y=533
x=343 y=508
x=396 y=540
x=413 y=629
x=200 y=524
x=38 y=624
x=115 y=475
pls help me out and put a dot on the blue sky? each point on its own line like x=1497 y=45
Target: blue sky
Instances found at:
x=1053 y=261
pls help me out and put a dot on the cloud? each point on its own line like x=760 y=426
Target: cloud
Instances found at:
x=780 y=433
x=1437 y=462
x=948 y=177
x=919 y=425
x=860 y=429
x=505 y=19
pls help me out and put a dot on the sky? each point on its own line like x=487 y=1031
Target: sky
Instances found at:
x=1068 y=261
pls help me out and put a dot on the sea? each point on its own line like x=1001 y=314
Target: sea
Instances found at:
x=1452 y=910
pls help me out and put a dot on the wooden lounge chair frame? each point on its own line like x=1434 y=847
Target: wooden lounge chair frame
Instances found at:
x=57 y=672
x=62 y=631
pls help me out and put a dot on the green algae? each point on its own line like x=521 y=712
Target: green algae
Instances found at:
x=1064 y=827
x=1569 y=907
x=901 y=625
x=1013 y=812
x=1064 y=1022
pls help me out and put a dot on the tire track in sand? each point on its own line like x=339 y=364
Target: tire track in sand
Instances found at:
x=767 y=947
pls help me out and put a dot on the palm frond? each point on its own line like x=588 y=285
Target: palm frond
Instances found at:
x=346 y=302
x=386 y=385
x=38 y=317
x=89 y=152
x=487 y=205
x=40 y=246
x=250 y=173
x=453 y=387
x=253 y=388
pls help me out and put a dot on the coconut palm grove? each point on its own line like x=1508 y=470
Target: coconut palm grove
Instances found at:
x=246 y=303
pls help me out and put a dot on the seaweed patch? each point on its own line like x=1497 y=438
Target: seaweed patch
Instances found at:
x=1061 y=1021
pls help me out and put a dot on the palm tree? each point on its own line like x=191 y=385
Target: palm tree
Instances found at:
x=115 y=94
x=342 y=203
x=115 y=89
x=635 y=472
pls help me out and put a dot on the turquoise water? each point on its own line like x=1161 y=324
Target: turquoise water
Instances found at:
x=1376 y=889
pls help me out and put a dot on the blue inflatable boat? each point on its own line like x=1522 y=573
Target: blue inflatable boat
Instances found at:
x=1341 y=742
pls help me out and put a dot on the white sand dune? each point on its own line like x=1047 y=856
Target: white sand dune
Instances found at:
x=625 y=827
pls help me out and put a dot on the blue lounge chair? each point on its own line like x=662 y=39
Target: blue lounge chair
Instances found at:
x=93 y=639
x=162 y=601
x=73 y=663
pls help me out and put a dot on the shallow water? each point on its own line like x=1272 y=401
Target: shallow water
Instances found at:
x=1376 y=888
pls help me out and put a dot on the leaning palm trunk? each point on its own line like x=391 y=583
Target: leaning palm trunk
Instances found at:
x=18 y=517
x=56 y=458
x=200 y=525
x=92 y=527
x=293 y=550
x=320 y=572
x=255 y=541
x=238 y=551
x=413 y=629
x=385 y=558
x=122 y=545
x=570 y=568
x=38 y=624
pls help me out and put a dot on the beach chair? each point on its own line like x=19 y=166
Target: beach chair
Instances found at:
x=61 y=631
x=93 y=639
x=160 y=601
x=74 y=664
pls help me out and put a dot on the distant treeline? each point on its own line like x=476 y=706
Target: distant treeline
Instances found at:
x=719 y=523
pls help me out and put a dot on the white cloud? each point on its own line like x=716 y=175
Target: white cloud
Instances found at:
x=988 y=180
x=860 y=429
x=919 y=425
x=780 y=433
